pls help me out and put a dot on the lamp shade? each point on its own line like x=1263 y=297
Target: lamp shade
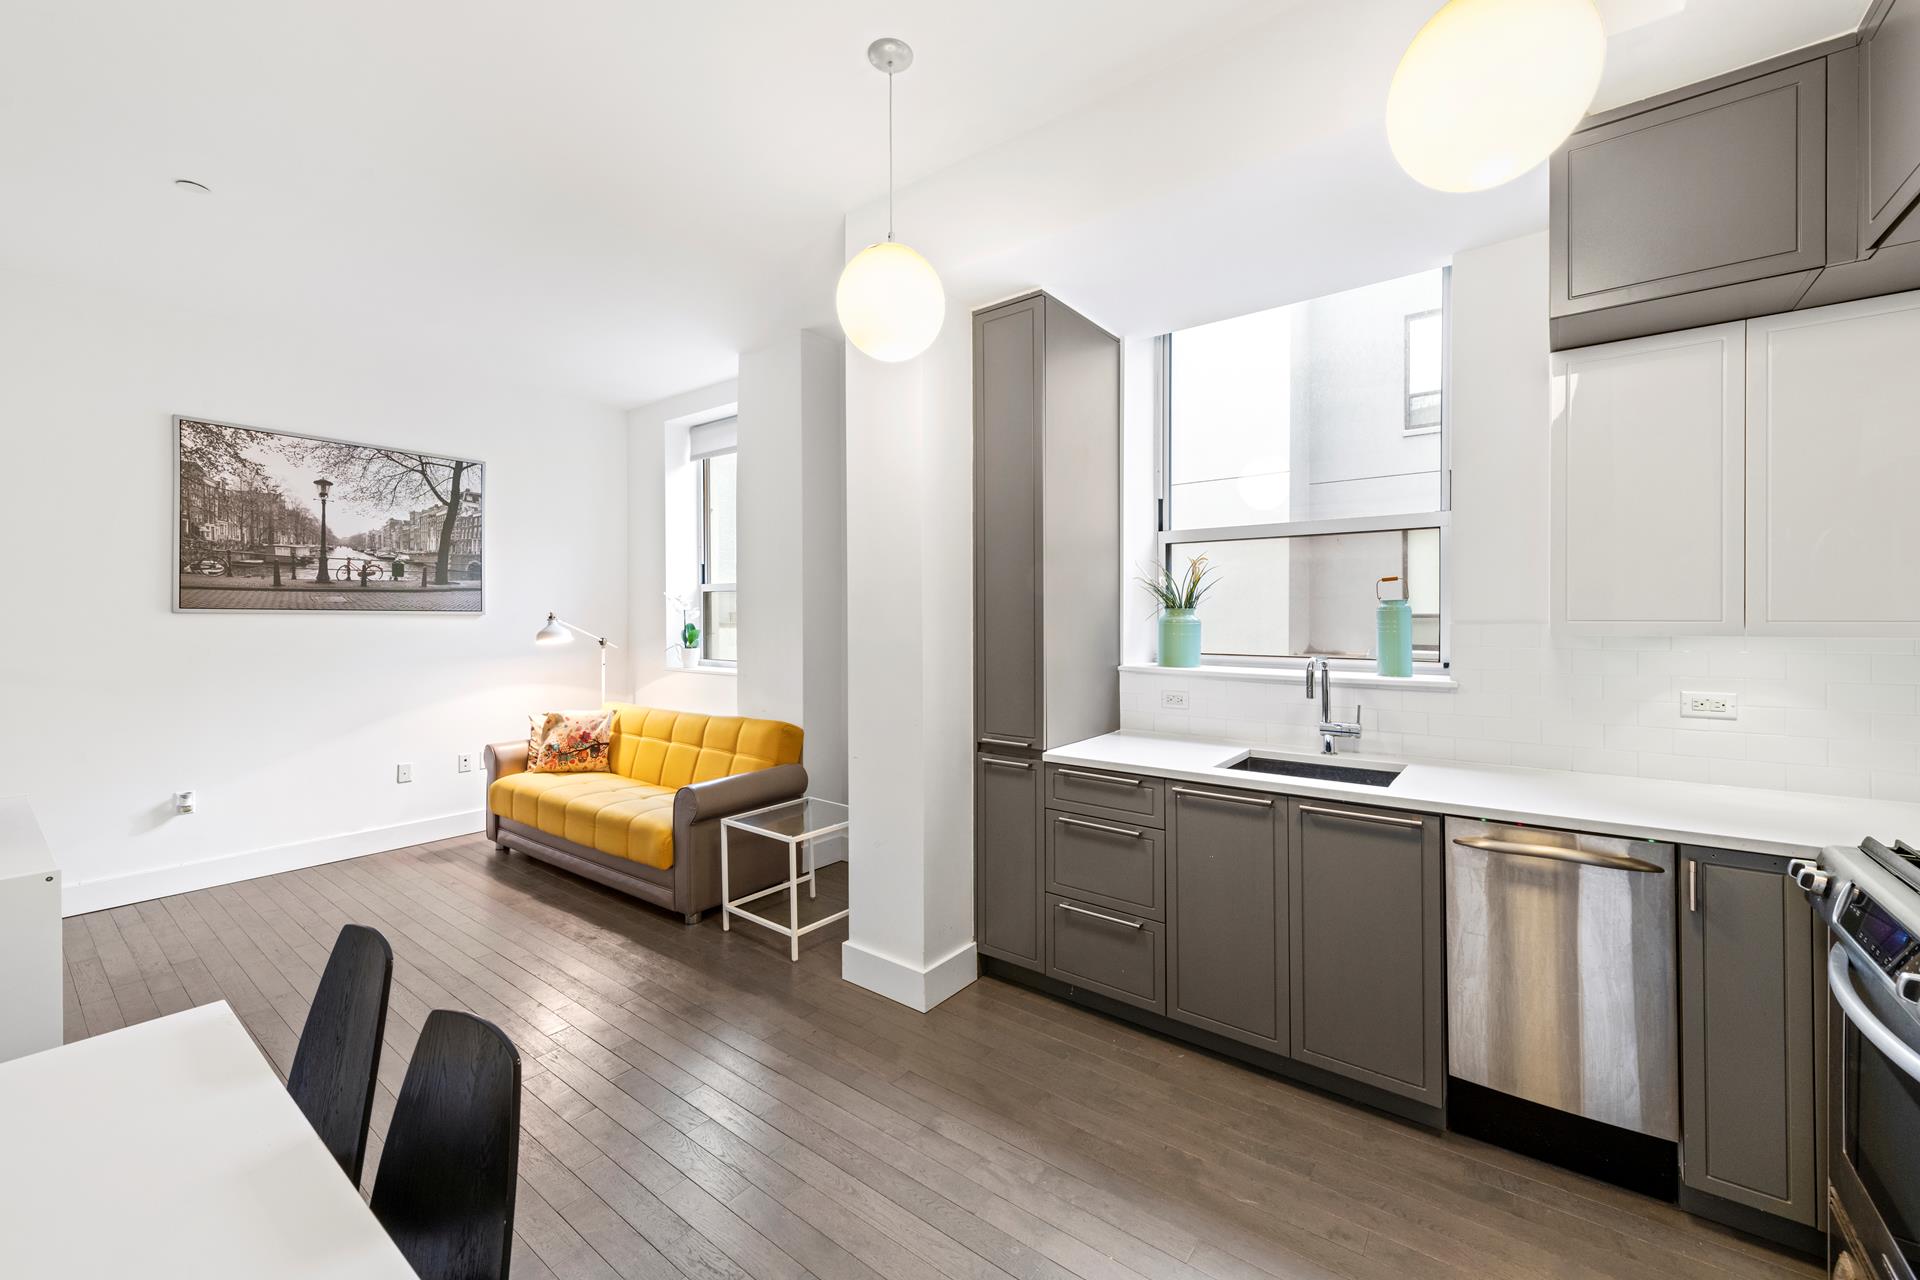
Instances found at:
x=1489 y=88
x=553 y=633
x=890 y=302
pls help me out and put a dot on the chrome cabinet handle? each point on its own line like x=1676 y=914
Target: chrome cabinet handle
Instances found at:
x=1553 y=853
x=1840 y=982
x=1100 y=777
x=1225 y=799
x=1099 y=915
x=1356 y=816
x=1065 y=821
x=1693 y=884
x=997 y=762
x=1006 y=742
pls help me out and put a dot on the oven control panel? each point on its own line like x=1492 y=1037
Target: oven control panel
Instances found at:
x=1887 y=942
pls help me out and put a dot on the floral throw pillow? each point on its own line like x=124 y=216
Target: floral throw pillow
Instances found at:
x=558 y=742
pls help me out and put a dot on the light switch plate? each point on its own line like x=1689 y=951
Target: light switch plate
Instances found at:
x=1173 y=699
x=1709 y=706
x=403 y=773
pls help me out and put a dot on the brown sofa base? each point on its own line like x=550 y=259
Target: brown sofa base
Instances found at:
x=755 y=863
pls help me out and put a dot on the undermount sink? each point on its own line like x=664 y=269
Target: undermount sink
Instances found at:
x=1370 y=776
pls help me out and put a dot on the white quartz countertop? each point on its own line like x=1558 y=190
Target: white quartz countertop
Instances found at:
x=1787 y=823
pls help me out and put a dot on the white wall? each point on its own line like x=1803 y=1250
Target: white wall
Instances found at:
x=793 y=550
x=287 y=725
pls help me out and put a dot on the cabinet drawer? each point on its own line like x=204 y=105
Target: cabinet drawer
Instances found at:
x=1106 y=863
x=1141 y=801
x=1109 y=952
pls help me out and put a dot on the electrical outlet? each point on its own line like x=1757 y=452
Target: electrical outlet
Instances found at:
x=1709 y=706
x=465 y=762
x=185 y=801
x=1173 y=699
x=403 y=773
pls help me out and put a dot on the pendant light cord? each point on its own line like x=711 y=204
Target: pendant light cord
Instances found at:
x=889 y=155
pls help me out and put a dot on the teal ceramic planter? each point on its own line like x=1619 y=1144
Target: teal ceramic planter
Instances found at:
x=1179 y=638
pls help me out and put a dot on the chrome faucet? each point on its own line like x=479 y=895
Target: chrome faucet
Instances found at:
x=1329 y=727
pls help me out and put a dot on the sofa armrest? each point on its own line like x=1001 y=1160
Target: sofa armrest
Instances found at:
x=721 y=797
x=505 y=758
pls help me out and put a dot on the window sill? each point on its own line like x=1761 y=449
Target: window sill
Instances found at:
x=1295 y=676
x=703 y=669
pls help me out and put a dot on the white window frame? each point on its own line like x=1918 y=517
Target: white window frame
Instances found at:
x=1441 y=519
x=702 y=536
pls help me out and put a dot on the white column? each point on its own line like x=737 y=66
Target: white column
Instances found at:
x=909 y=486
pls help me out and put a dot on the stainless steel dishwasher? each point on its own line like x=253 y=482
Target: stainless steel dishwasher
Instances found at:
x=1560 y=972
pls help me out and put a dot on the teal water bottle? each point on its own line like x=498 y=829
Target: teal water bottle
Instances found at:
x=1393 y=630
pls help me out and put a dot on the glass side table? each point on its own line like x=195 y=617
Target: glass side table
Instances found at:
x=794 y=823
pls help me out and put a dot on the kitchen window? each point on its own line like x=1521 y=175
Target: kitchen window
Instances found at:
x=716 y=471
x=1304 y=452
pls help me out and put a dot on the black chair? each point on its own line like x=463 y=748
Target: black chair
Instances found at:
x=444 y=1188
x=333 y=1069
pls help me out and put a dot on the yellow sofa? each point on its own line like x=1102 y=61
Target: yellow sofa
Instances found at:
x=651 y=825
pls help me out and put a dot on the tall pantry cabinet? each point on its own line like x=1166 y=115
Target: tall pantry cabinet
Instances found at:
x=1046 y=566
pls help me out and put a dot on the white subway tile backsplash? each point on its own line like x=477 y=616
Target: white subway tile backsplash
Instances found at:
x=1837 y=716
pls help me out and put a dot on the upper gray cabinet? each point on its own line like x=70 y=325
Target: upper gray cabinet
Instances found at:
x=1724 y=189
x=1776 y=188
x=1889 y=129
x=1046 y=525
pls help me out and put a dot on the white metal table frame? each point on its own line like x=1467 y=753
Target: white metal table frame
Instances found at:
x=793 y=930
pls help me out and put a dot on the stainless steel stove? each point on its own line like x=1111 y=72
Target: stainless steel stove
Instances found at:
x=1869 y=896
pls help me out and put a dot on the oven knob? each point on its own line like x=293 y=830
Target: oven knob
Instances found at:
x=1810 y=877
x=1908 y=985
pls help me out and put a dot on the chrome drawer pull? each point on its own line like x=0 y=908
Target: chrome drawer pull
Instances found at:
x=1226 y=799
x=1100 y=777
x=1099 y=915
x=1351 y=815
x=1006 y=742
x=1005 y=764
x=1586 y=858
x=1096 y=826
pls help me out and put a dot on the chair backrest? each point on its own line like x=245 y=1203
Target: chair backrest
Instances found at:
x=676 y=748
x=333 y=1073
x=444 y=1188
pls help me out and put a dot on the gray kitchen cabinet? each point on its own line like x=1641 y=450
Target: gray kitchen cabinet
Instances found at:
x=1006 y=862
x=1748 y=1117
x=1109 y=864
x=1889 y=118
x=1046 y=406
x=1227 y=913
x=1112 y=954
x=1366 y=907
x=1722 y=189
x=1046 y=525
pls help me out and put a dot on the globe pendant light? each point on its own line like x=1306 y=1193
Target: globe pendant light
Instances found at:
x=890 y=302
x=1489 y=88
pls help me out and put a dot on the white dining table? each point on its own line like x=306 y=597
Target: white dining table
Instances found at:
x=171 y=1149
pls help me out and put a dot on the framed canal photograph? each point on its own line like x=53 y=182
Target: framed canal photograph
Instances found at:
x=269 y=520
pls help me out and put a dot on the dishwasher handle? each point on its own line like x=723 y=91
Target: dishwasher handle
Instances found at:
x=1555 y=853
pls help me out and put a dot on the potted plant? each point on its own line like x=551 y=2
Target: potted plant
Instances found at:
x=686 y=641
x=1176 y=596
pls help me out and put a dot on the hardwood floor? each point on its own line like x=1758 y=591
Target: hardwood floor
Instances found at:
x=695 y=1105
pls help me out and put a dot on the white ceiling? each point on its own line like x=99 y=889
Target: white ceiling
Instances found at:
x=613 y=198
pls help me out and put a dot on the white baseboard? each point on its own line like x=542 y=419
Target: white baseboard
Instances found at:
x=184 y=877
x=918 y=989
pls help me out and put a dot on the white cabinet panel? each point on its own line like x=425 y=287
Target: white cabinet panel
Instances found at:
x=1648 y=438
x=1833 y=454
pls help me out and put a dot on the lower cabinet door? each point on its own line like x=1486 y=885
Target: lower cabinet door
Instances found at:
x=1006 y=826
x=1747 y=1004
x=1107 y=952
x=1367 y=901
x=1226 y=913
